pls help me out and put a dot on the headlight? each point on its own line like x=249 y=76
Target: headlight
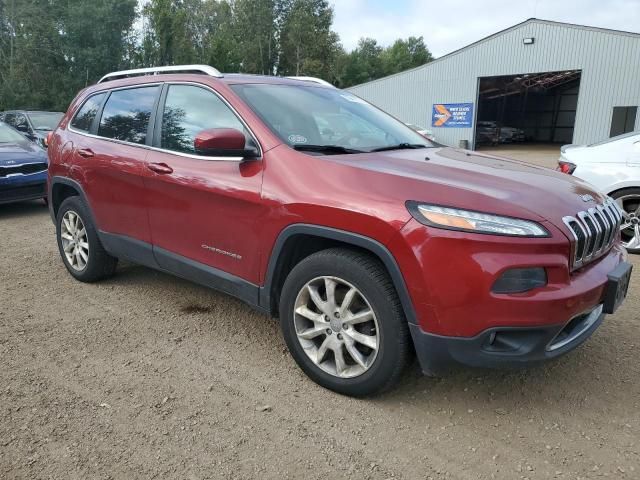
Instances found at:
x=470 y=221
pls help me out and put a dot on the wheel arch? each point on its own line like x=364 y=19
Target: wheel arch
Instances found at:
x=298 y=241
x=623 y=186
x=61 y=188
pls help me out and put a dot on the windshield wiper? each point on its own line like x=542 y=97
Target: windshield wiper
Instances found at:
x=325 y=148
x=400 y=146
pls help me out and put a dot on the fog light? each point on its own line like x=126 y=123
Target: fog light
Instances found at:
x=519 y=280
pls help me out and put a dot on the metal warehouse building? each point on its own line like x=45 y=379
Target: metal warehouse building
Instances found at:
x=538 y=81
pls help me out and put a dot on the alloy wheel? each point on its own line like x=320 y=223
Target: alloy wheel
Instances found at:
x=336 y=327
x=630 y=228
x=75 y=242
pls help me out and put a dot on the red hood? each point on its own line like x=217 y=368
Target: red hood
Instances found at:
x=469 y=180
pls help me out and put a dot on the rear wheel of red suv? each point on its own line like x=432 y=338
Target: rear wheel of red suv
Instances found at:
x=343 y=322
x=79 y=245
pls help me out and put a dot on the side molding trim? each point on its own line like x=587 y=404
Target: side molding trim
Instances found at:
x=208 y=276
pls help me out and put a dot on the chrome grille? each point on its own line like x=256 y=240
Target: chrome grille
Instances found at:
x=594 y=231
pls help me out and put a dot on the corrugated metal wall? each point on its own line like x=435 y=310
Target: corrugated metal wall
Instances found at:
x=610 y=64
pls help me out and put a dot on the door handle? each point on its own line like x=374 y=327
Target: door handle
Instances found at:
x=161 y=168
x=85 y=152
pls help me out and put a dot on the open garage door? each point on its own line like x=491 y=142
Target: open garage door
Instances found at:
x=536 y=108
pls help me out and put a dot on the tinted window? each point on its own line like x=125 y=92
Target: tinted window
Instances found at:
x=86 y=114
x=189 y=110
x=126 y=114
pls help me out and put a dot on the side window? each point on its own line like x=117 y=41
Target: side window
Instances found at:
x=10 y=118
x=87 y=113
x=126 y=114
x=187 y=111
x=21 y=123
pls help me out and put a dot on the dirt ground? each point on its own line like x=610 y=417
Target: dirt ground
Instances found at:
x=148 y=376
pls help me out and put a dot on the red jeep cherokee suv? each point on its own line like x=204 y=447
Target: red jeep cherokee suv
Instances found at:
x=306 y=202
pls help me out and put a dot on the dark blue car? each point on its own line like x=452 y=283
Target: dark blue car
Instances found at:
x=23 y=167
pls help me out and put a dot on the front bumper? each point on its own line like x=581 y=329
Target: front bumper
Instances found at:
x=26 y=189
x=504 y=347
x=459 y=319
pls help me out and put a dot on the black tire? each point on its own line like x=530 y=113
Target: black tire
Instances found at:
x=631 y=204
x=368 y=275
x=100 y=264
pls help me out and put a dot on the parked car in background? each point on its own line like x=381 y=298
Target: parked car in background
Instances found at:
x=370 y=243
x=613 y=166
x=511 y=135
x=490 y=132
x=23 y=167
x=486 y=133
x=34 y=125
x=426 y=133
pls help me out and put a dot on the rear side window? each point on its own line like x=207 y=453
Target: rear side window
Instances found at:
x=187 y=111
x=126 y=114
x=87 y=113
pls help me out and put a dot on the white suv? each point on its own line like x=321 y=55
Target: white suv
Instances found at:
x=613 y=166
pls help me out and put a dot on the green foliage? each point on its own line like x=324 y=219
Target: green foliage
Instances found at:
x=51 y=49
x=308 y=46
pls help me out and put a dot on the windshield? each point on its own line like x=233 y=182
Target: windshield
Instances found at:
x=9 y=135
x=305 y=116
x=45 y=120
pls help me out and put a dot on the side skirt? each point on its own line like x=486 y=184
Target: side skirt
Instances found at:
x=165 y=261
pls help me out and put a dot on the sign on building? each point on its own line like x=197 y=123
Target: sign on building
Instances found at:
x=452 y=115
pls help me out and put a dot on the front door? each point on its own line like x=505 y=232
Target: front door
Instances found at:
x=202 y=209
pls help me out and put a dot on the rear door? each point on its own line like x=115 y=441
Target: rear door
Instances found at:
x=203 y=209
x=111 y=154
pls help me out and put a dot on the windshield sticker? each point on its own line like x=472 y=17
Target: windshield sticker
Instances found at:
x=297 y=139
x=352 y=98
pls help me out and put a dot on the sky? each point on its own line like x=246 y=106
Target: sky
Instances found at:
x=449 y=25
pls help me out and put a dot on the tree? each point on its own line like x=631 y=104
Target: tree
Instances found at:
x=222 y=44
x=51 y=49
x=370 y=61
x=255 y=25
x=308 y=46
x=168 y=34
x=363 y=64
x=405 y=54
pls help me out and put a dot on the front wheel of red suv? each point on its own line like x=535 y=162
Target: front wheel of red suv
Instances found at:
x=79 y=245
x=343 y=322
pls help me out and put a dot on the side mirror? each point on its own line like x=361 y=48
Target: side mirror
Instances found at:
x=222 y=142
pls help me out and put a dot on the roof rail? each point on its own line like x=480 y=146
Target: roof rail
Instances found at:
x=204 y=69
x=313 y=79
